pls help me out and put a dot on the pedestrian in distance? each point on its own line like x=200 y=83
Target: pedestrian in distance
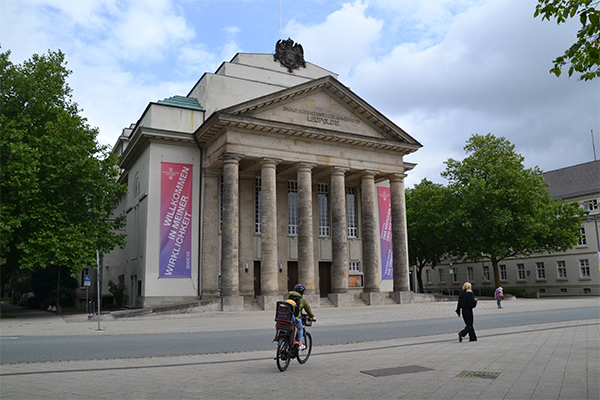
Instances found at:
x=499 y=295
x=466 y=304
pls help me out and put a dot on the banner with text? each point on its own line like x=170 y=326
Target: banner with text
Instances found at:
x=385 y=232
x=175 y=221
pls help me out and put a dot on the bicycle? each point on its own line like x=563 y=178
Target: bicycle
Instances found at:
x=286 y=334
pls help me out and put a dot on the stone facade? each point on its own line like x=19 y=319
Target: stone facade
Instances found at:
x=273 y=154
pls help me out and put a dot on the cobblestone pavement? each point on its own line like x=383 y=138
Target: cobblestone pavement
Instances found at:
x=559 y=360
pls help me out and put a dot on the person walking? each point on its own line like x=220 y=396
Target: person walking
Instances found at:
x=499 y=295
x=466 y=304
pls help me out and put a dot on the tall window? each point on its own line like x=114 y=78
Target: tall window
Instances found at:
x=503 y=274
x=582 y=241
x=257 y=196
x=292 y=208
x=541 y=270
x=486 y=273
x=470 y=274
x=428 y=275
x=351 y=212
x=442 y=276
x=323 y=193
x=562 y=269
x=455 y=275
x=521 y=271
x=584 y=268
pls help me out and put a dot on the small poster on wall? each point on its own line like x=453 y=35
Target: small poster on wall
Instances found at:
x=355 y=281
x=175 y=221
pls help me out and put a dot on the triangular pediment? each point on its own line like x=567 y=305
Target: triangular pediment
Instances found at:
x=323 y=104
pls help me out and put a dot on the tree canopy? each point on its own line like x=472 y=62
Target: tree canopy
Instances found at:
x=59 y=185
x=502 y=209
x=427 y=206
x=584 y=54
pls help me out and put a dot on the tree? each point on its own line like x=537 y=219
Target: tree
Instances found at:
x=427 y=223
x=584 y=54
x=59 y=185
x=502 y=209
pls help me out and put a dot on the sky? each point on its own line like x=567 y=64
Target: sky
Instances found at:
x=442 y=70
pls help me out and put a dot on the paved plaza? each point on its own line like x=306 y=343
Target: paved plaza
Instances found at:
x=558 y=360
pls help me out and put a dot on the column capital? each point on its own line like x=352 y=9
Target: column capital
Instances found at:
x=368 y=173
x=305 y=166
x=396 y=177
x=336 y=170
x=269 y=162
x=229 y=158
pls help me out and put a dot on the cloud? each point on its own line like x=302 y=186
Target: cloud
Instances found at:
x=339 y=43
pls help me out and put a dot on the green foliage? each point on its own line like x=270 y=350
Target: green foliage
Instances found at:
x=118 y=291
x=427 y=224
x=584 y=54
x=107 y=301
x=502 y=209
x=518 y=293
x=59 y=185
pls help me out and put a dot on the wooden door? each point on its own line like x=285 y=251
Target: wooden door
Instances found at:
x=256 y=278
x=292 y=274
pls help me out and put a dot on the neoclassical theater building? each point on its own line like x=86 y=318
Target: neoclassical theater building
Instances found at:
x=270 y=172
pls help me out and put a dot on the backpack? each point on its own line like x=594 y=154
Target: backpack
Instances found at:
x=297 y=300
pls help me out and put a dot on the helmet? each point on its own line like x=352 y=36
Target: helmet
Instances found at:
x=292 y=302
x=299 y=288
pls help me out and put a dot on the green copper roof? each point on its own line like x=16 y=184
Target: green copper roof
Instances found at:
x=183 y=102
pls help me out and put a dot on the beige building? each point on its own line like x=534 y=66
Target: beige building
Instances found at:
x=569 y=273
x=267 y=174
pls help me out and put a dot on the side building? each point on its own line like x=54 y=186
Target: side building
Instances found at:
x=570 y=273
x=268 y=173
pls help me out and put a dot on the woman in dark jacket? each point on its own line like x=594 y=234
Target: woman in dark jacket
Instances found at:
x=466 y=303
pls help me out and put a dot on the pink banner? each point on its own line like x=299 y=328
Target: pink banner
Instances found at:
x=175 y=219
x=385 y=232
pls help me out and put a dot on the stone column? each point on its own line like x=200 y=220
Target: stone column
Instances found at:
x=339 y=241
x=369 y=232
x=210 y=244
x=401 y=293
x=306 y=253
x=230 y=278
x=269 y=279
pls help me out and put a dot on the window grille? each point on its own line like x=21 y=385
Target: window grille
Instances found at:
x=521 y=271
x=486 y=273
x=257 y=205
x=351 y=212
x=442 y=275
x=323 y=194
x=428 y=275
x=541 y=270
x=354 y=266
x=292 y=208
x=584 y=268
x=503 y=274
x=562 y=269
x=470 y=274
x=582 y=240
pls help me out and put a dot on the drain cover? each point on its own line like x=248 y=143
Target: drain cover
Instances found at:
x=396 y=371
x=478 y=374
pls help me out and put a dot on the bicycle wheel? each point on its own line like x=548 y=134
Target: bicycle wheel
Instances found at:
x=282 y=357
x=304 y=354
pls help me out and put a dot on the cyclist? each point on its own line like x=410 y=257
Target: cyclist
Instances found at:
x=302 y=304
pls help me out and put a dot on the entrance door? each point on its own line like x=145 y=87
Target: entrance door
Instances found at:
x=256 y=278
x=292 y=274
x=324 y=278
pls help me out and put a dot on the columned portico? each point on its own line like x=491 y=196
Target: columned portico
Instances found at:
x=232 y=301
x=269 y=274
x=306 y=253
x=369 y=230
x=210 y=244
x=401 y=293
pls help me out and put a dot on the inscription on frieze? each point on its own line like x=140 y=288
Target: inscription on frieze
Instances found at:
x=323 y=118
